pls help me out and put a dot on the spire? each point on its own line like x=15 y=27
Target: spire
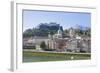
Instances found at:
x=59 y=33
x=71 y=32
x=59 y=30
x=49 y=35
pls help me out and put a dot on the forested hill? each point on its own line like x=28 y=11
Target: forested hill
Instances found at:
x=43 y=29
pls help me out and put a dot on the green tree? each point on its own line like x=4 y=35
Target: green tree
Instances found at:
x=28 y=33
x=43 y=45
x=66 y=31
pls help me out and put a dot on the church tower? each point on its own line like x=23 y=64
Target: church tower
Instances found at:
x=59 y=33
x=51 y=42
x=49 y=35
x=71 y=32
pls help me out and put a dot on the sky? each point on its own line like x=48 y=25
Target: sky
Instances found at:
x=32 y=18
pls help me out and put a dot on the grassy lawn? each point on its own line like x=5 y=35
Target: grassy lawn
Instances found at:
x=29 y=56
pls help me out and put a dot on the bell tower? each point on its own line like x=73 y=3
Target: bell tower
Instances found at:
x=59 y=33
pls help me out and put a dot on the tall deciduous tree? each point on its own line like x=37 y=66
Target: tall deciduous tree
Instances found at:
x=43 y=45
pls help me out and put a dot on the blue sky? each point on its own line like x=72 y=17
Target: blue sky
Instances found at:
x=66 y=19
